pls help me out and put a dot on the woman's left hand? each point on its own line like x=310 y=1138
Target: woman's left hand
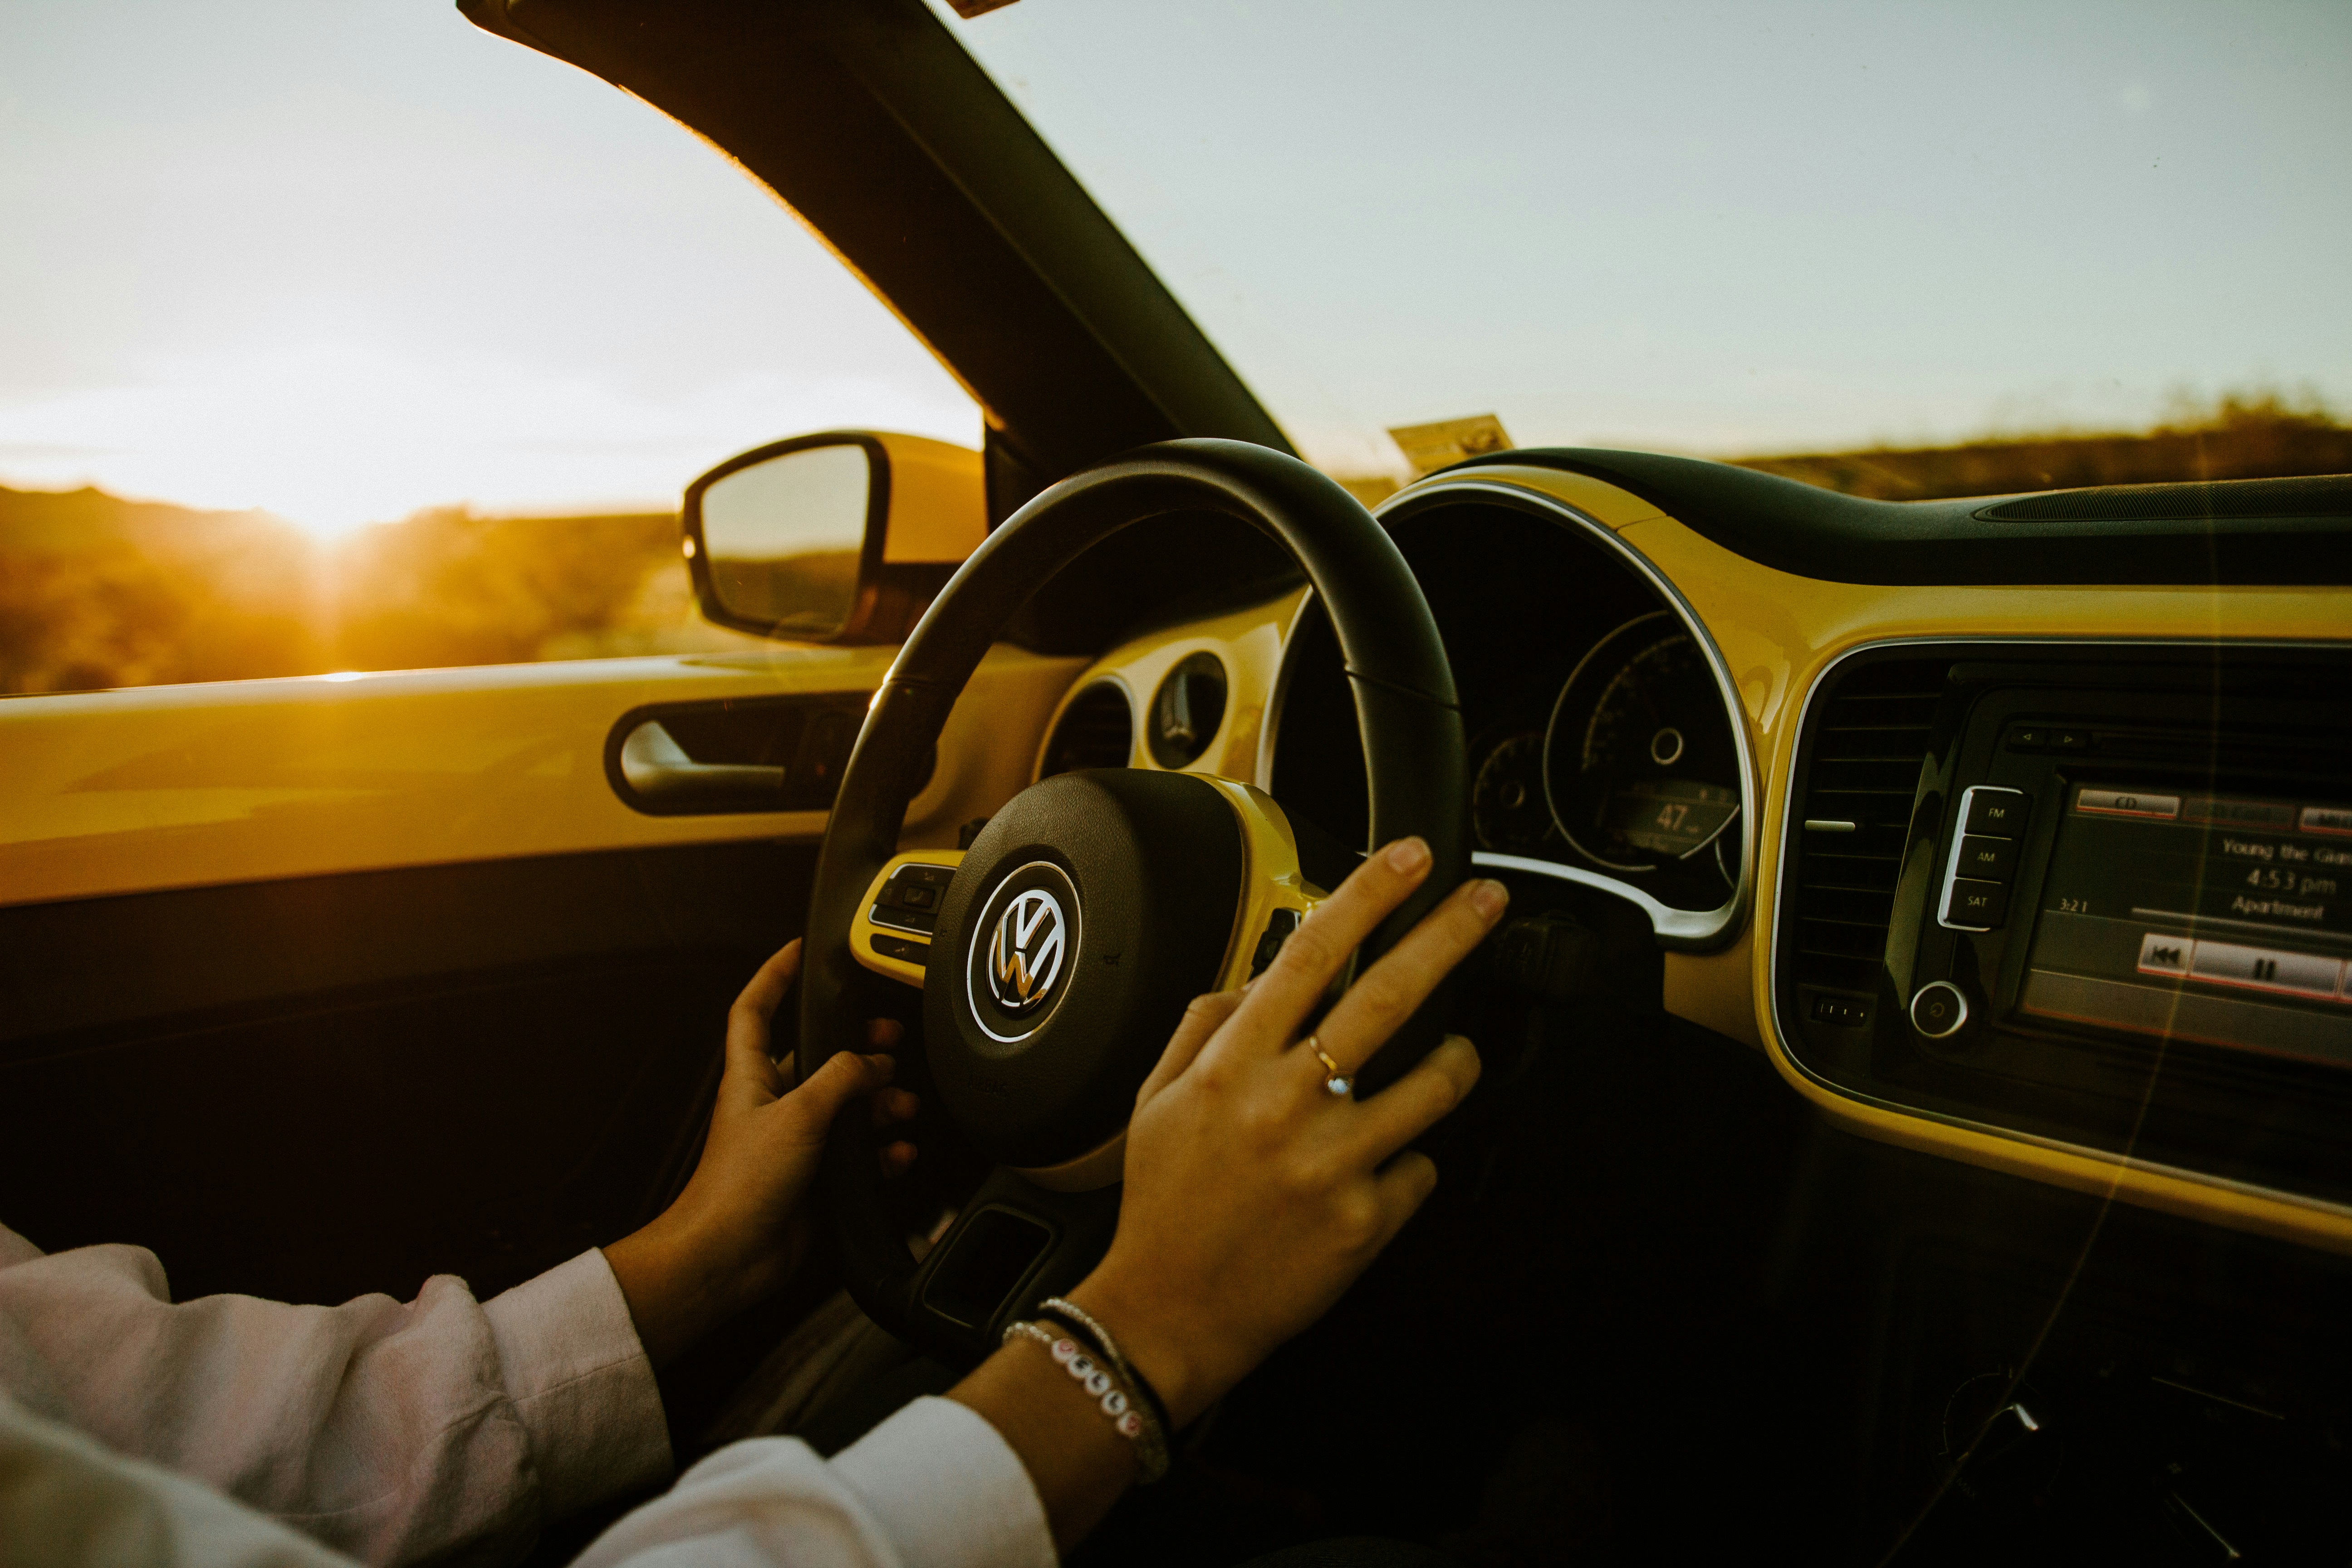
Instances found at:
x=741 y=1226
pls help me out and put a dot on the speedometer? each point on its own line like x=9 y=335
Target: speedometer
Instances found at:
x=1639 y=768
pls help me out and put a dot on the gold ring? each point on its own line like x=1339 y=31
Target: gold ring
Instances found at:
x=1337 y=1081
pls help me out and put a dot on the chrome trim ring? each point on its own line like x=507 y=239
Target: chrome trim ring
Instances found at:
x=1684 y=930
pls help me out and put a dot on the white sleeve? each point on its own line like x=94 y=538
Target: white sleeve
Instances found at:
x=67 y=1502
x=389 y=1430
x=933 y=1487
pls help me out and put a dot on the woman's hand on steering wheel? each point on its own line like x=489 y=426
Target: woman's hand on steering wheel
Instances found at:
x=1257 y=1187
x=743 y=1222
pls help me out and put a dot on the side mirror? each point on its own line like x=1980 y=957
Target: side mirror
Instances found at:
x=843 y=537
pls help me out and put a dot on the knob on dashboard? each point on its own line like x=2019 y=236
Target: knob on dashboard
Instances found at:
x=1939 y=1009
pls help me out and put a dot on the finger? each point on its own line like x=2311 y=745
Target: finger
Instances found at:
x=747 y=1021
x=1401 y=1188
x=1385 y=995
x=896 y=1158
x=1201 y=1020
x=895 y=1105
x=883 y=1032
x=1415 y=1103
x=1316 y=952
x=845 y=1077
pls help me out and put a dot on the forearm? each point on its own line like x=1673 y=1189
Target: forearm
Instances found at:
x=1078 y=1464
x=678 y=1288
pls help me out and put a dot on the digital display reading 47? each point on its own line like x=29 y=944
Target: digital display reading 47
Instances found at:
x=2216 y=918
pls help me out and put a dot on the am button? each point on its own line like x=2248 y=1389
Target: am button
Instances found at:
x=1986 y=857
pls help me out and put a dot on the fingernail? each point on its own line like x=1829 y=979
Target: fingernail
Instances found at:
x=1489 y=897
x=1408 y=855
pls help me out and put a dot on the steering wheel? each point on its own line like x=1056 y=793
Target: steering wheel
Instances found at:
x=1057 y=954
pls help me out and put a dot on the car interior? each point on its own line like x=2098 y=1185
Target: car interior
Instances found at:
x=1917 y=1059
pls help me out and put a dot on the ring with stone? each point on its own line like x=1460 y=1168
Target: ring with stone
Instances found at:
x=1336 y=1080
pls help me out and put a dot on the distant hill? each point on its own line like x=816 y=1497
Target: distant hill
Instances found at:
x=98 y=591
x=67 y=521
x=2243 y=436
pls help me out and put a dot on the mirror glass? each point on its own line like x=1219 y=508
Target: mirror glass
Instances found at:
x=783 y=537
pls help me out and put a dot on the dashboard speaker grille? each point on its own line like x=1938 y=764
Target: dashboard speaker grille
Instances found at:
x=1862 y=767
x=1096 y=730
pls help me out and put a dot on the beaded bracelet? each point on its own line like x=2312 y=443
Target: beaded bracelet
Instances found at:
x=1087 y=1327
x=1129 y=1419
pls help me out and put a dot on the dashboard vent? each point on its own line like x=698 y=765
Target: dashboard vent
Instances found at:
x=1863 y=768
x=1096 y=730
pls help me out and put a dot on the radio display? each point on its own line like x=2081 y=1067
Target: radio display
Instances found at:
x=2216 y=918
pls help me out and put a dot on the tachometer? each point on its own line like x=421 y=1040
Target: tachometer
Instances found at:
x=1639 y=767
x=1507 y=803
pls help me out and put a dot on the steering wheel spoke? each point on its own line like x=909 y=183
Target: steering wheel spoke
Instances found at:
x=891 y=932
x=1275 y=892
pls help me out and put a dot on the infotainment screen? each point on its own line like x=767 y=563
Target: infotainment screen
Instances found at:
x=2215 y=918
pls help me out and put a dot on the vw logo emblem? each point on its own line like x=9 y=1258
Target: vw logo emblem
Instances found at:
x=1025 y=952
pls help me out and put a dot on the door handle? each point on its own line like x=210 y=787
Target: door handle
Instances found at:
x=658 y=769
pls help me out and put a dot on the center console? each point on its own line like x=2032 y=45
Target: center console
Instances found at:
x=2096 y=894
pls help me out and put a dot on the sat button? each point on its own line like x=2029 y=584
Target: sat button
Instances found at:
x=1975 y=903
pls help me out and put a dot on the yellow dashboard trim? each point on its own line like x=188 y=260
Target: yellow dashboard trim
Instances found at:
x=1247 y=642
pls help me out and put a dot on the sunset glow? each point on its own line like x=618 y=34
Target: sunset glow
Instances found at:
x=345 y=263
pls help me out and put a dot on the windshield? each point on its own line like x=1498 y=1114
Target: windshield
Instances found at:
x=1724 y=229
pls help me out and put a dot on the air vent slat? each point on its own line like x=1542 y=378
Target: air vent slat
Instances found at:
x=1096 y=730
x=1862 y=767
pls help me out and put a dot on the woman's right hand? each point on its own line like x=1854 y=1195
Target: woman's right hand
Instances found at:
x=1254 y=1196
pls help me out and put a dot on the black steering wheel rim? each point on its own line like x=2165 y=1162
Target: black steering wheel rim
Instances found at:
x=1407 y=716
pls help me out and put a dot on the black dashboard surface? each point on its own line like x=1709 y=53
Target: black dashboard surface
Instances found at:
x=2287 y=531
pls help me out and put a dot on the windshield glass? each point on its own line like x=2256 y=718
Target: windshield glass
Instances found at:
x=1723 y=229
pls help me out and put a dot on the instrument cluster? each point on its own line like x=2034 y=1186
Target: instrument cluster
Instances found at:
x=1632 y=770
x=1600 y=735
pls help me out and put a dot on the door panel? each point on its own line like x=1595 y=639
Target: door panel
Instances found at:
x=320 y=987
x=503 y=1063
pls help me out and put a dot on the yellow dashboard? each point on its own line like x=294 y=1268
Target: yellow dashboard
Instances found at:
x=1772 y=635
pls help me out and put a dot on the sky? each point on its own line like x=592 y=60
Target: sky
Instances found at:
x=343 y=261
x=1737 y=228
x=346 y=261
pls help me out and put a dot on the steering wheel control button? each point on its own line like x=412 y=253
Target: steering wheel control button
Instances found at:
x=899 y=948
x=1279 y=927
x=1939 y=1010
x=910 y=900
x=1999 y=811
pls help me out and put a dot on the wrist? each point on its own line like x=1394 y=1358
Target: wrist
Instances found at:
x=1187 y=1384
x=679 y=1281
